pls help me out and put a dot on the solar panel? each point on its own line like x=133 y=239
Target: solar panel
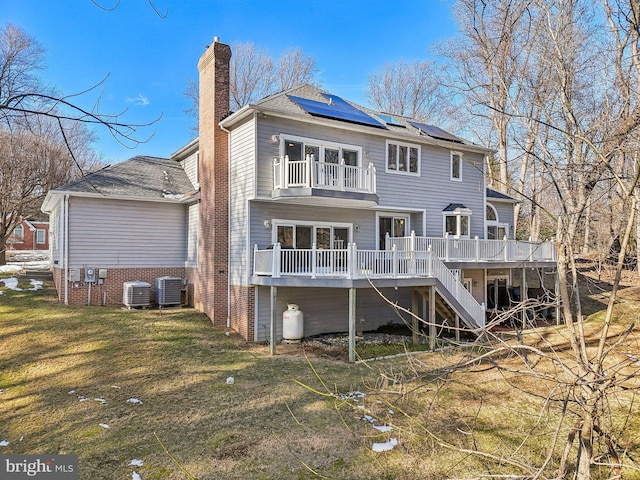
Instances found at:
x=338 y=109
x=389 y=120
x=436 y=132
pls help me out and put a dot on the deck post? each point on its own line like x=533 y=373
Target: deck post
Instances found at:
x=272 y=326
x=477 y=248
x=523 y=297
x=352 y=324
x=432 y=318
x=457 y=333
x=276 y=260
x=314 y=259
x=414 y=319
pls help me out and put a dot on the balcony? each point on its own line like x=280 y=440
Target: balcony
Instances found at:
x=312 y=179
x=476 y=250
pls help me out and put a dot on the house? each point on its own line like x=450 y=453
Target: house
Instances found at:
x=30 y=234
x=301 y=198
x=130 y=220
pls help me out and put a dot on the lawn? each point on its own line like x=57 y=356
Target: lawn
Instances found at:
x=68 y=373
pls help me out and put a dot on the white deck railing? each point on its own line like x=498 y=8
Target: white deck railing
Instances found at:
x=475 y=249
x=352 y=263
x=330 y=176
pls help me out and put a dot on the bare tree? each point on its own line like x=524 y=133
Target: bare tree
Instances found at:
x=411 y=90
x=46 y=139
x=254 y=75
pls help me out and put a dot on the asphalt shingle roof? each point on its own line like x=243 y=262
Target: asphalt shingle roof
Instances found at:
x=491 y=193
x=138 y=177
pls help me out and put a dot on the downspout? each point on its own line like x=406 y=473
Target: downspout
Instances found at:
x=228 y=224
x=65 y=209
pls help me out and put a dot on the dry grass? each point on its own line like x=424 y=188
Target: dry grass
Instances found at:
x=264 y=426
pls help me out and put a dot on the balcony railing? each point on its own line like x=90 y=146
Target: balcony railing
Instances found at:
x=309 y=173
x=352 y=263
x=450 y=249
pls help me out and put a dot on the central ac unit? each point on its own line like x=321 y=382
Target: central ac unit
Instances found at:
x=168 y=291
x=136 y=294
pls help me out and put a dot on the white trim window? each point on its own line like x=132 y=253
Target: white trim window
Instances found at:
x=40 y=236
x=403 y=158
x=299 y=148
x=302 y=235
x=456 y=166
x=18 y=232
x=456 y=219
x=495 y=229
x=396 y=225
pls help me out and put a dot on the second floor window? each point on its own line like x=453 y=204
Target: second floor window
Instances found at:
x=40 y=236
x=456 y=166
x=297 y=148
x=403 y=158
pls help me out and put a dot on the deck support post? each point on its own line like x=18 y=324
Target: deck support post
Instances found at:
x=457 y=328
x=352 y=324
x=414 y=319
x=432 y=318
x=272 y=326
x=523 y=297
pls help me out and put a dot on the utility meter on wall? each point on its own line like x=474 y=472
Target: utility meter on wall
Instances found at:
x=90 y=275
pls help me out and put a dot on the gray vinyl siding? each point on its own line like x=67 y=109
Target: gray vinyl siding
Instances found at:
x=241 y=189
x=327 y=309
x=119 y=233
x=432 y=190
x=193 y=219
x=505 y=214
x=268 y=150
x=190 y=166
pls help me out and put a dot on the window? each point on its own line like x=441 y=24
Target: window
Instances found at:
x=395 y=226
x=457 y=220
x=18 y=232
x=303 y=236
x=456 y=166
x=40 y=236
x=403 y=158
x=299 y=148
x=495 y=229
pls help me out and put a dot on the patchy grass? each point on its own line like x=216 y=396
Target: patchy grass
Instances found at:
x=282 y=418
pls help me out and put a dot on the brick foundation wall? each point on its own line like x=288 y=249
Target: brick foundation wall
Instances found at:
x=243 y=308
x=110 y=292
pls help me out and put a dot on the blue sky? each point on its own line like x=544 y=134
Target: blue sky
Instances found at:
x=149 y=59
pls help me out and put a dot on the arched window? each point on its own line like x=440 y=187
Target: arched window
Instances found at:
x=495 y=229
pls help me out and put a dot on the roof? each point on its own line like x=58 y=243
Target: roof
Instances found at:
x=495 y=195
x=140 y=177
x=284 y=103
x=455 y=207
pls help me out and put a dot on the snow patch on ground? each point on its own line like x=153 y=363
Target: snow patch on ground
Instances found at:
x=385 y=446
x=12 y=284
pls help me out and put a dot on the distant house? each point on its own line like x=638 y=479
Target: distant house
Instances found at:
x=32 y=234
x=301 y=198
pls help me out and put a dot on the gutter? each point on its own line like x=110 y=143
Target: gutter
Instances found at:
x=228 y=223
x=65 y=209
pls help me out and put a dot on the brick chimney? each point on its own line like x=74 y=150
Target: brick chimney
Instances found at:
x=211 y=295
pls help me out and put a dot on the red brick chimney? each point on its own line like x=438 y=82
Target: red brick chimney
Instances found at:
x=211 y=294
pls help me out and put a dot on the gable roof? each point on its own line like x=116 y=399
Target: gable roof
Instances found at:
x=285 y=104
x=140 y=177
